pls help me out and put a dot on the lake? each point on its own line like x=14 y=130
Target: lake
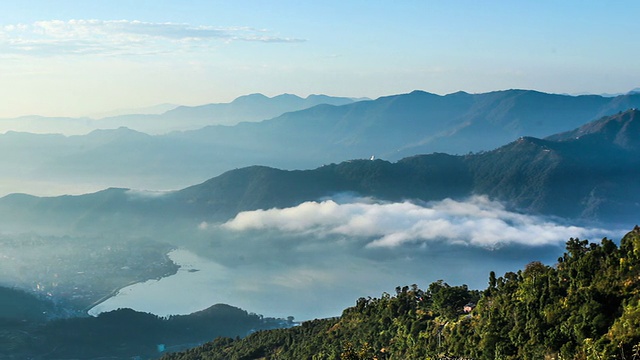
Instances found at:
x=198 y=284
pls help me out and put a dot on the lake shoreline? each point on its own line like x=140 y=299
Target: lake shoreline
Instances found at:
x=116 y=291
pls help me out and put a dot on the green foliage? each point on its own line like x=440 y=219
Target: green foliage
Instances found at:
x=585 y=307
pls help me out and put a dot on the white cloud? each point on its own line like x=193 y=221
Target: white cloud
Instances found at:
x=477 y=221
x=306 y=217
x=118 y=37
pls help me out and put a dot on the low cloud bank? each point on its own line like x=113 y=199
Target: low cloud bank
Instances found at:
x=477 y=221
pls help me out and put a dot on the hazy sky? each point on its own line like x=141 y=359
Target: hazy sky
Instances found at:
x=71 y=58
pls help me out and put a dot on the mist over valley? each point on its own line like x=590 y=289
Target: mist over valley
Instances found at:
x=306 y=242
x=303 y=243
x=306 y=180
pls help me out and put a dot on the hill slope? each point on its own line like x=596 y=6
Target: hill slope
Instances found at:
x=586 y=306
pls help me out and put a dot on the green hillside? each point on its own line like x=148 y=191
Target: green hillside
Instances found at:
x=587 y=306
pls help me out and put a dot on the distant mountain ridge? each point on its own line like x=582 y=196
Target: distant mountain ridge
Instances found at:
x=569 y=177
x=149 y=110
x=591 y=177
x=250 y=108
x=390 y=128
x=621 y=130
x=632 y=91
x=165 y=118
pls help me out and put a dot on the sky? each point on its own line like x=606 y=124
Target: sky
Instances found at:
x=77 y=58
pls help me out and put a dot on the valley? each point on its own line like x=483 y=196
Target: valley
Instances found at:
x=388 y=180
x=302 y=244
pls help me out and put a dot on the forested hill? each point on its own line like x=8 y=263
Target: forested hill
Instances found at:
x=587 y=306
x=591 y=175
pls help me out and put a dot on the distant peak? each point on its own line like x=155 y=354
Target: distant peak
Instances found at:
x=459 y=93
x=256 y=96
x=317 y=96
x=121 y=131
x=421 y=92
x=287 y=96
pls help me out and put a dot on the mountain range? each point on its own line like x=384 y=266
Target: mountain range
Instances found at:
x=589 y=173
x=390 y=128
x=64 y=246
x=165 y=118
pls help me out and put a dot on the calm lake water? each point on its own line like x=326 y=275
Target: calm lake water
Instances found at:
x=198 y=284
x=313 y=287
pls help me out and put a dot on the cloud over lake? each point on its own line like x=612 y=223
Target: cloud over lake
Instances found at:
x=477 y=221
